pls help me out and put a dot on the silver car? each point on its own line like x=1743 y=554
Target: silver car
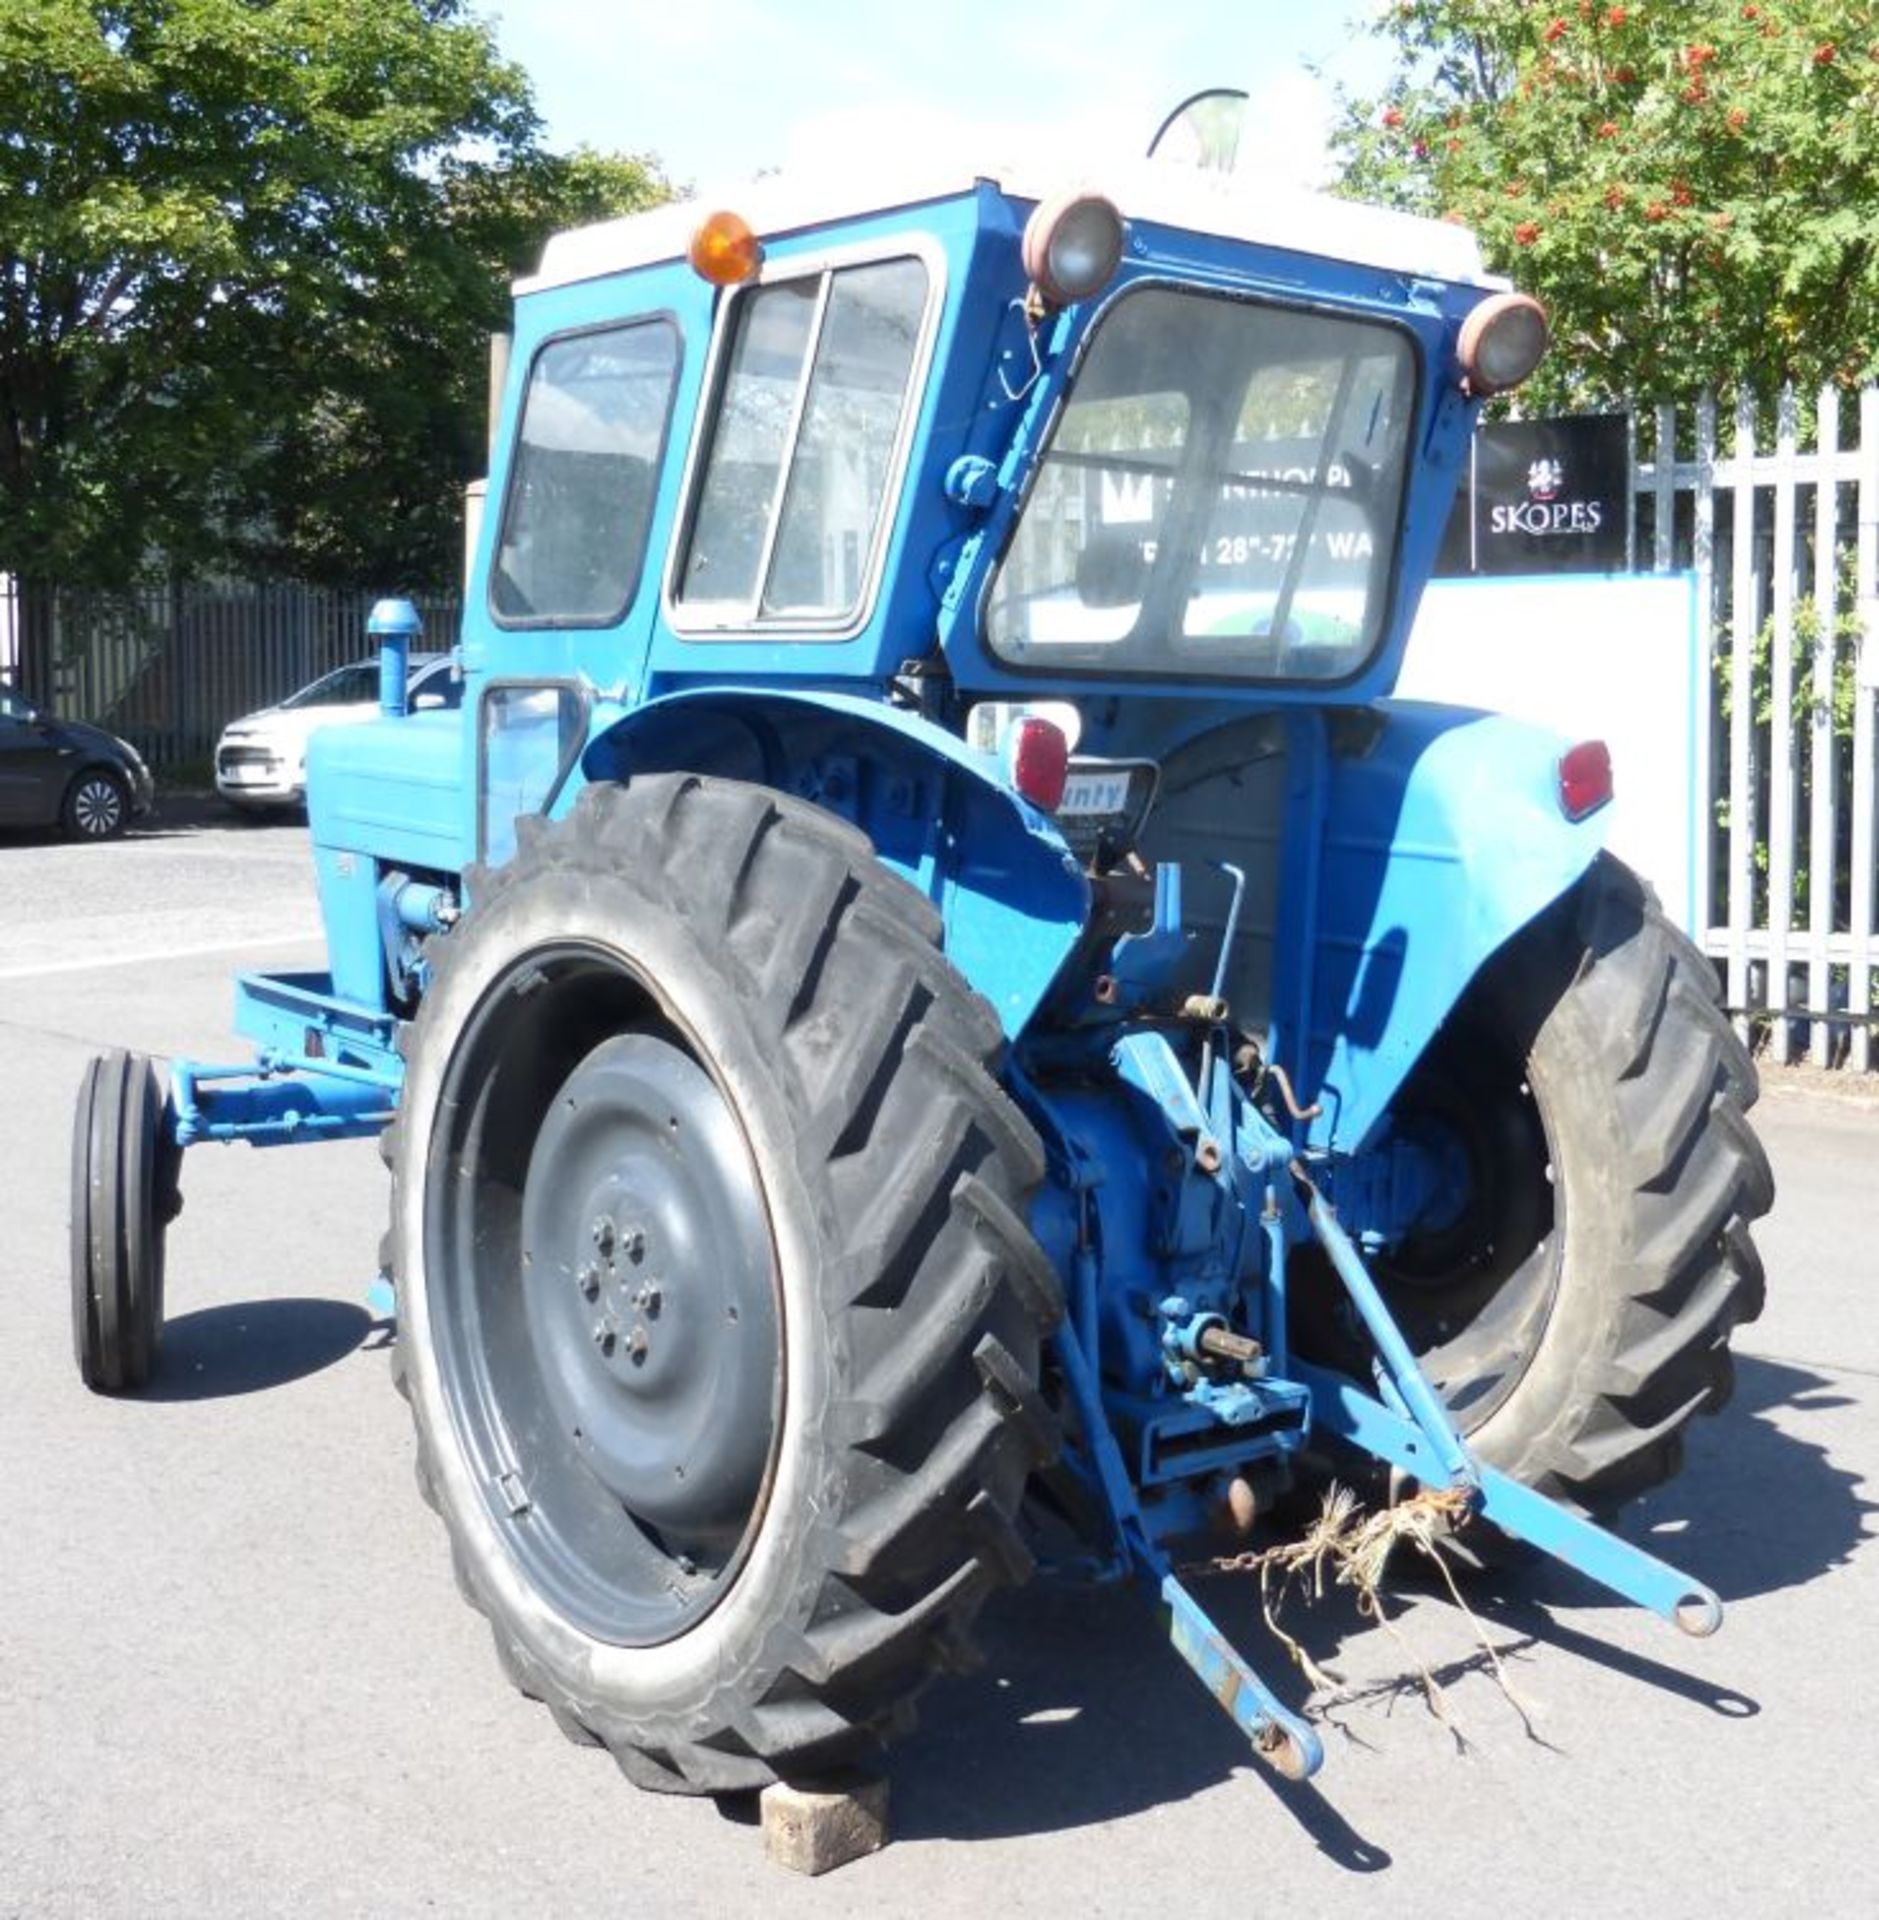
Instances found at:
x=261 y=759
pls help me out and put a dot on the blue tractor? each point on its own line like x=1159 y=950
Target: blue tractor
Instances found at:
x=930 y=1012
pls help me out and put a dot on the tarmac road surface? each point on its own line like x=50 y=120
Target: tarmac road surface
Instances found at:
x=235 y=1677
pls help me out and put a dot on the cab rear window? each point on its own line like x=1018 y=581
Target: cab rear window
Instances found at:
x=1220 y=497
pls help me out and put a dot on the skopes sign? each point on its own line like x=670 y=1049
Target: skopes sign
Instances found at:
x=1542 y=496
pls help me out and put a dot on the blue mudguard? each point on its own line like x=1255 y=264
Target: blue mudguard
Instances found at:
x=1442 y=839
x=1010 y=892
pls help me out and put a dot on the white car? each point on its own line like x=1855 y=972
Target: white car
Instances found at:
x=261 y=759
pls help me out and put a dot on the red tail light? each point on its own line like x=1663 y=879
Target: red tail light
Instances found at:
x=1585 y=778
x=1037 y=757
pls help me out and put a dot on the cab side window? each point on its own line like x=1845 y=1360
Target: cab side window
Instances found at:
x=812 y=404
x=583 y=476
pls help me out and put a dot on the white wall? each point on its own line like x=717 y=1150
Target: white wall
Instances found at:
x=1593 y=656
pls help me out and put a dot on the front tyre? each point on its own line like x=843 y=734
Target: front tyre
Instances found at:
x=123 y=1197
x=719 y=1318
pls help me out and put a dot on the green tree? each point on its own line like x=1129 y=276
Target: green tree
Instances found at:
x=1692 y=186
x=363 y=485
x=249 y=250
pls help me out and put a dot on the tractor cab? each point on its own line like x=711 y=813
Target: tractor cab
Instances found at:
x=1164 y=440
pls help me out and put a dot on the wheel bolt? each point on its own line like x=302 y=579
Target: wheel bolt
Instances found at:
x=606 y=1332
x=603 y=1235
x=633 y=1244
x=647 y=1299
x=588 y=1280
x=637 y=1345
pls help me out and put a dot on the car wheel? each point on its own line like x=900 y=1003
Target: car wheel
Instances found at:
x=96 y=806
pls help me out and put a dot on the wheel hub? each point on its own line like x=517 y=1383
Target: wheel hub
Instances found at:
x=1473 y=1285
x=604 y=1298
x=647 y=1270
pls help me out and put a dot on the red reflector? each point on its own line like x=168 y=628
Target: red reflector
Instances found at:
x=1037 y=755
x=1585 y=778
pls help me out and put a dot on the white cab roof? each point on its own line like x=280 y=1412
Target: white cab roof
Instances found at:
x=1229 y=206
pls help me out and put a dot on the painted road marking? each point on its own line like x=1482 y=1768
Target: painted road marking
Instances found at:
x=264 y=943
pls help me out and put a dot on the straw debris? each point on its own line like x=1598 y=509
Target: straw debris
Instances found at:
x=1347 y=1547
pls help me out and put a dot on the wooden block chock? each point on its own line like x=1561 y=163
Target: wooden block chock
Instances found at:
x=810 y=1828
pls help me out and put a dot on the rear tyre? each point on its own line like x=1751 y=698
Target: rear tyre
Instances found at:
x=719 y=1319
x=1576 y=1314
x=123 y=1197
x=97 y=806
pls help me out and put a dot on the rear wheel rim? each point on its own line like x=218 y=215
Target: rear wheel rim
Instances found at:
x=1475 y=1298
x=603 y=1297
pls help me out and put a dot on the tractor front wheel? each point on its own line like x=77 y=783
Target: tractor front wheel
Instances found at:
x=718 y=1314
x=123 y=1197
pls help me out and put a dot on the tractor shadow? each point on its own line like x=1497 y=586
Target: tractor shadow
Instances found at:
x=251 y=1346
x=1076 y=1677
x=1756 y=1509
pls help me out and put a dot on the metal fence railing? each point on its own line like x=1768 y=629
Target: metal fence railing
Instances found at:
x=168 y=666
x=1784 y=540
